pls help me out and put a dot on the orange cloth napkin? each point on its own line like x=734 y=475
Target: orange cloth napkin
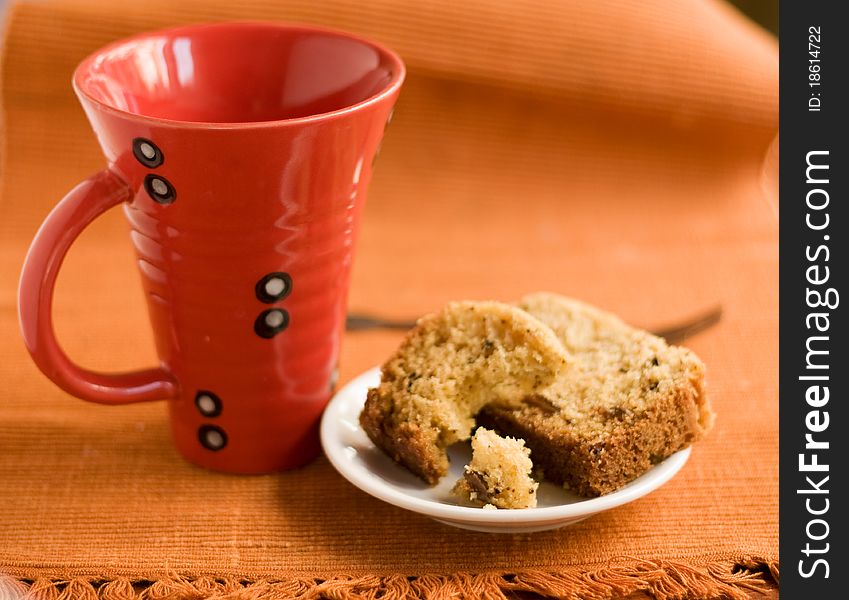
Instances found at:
x=611 y=150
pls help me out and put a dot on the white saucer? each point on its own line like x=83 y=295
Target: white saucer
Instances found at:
x=359 y=461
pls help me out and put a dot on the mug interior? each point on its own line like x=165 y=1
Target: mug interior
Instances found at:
x=237 y=73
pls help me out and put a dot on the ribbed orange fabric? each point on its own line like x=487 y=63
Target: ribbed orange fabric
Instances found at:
x=609 y=150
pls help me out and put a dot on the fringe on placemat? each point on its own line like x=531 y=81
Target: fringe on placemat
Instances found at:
x=662 y=580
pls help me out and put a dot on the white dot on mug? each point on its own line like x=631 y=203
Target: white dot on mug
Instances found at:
x=159 y=186
x=214 y=439
x=206 y=404
x=274 y=318
x=275 y=286
x=147 y=150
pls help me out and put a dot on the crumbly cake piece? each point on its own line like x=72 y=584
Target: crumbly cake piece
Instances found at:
x=626 y=400
x=449 y=365
x=499 y=473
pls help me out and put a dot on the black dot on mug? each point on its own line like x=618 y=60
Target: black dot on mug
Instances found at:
x=159 y=189
x=273 y=287
x=208 y=404
x=147 y=153
x=212 y=437
x=271 y=322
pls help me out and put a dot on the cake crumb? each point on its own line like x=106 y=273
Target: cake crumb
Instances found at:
x=499 y=474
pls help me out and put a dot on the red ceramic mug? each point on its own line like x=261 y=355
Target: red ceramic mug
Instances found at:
x=241 y=154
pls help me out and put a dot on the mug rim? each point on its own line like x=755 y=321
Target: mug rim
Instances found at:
x=398 y=73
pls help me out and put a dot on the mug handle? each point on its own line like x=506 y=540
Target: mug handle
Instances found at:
x=81 y=206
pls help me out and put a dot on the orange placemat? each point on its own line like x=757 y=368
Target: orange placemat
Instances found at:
x=609 y=150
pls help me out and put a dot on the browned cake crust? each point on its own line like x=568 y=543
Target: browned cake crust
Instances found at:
x=450 y=365
x=406 y=442
x=592 y=466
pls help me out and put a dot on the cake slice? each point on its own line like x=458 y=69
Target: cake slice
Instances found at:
x=499 y=474
x=449 y=365
x=626 y=401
